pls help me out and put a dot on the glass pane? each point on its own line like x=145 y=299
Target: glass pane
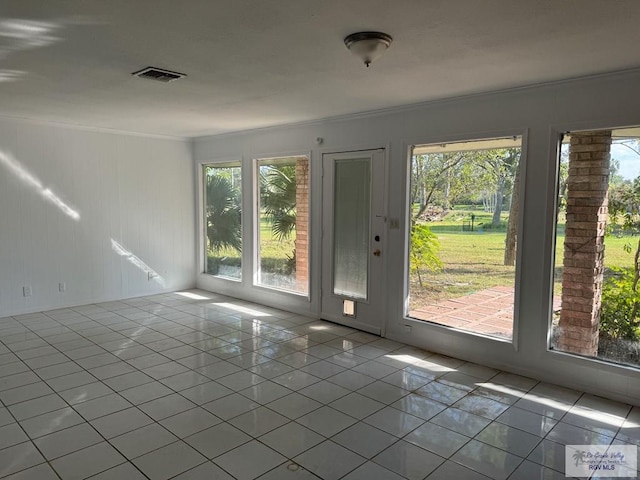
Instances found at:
x=223 y=218
x=352 y=211
x=465 y=204
x=283 y=228
x=596 y=294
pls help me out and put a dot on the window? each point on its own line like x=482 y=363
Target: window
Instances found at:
x=283 y=223
x=596 y=294
x=464 y=208
x=223 y=220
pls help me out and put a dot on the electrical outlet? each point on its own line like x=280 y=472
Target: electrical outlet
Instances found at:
x=62 y=287
x=151 y=276
x=26 y=291
x=394 y=223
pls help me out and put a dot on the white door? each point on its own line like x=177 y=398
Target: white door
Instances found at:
x=353 y=239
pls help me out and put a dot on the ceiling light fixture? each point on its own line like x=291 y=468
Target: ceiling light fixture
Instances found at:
x=369 y=46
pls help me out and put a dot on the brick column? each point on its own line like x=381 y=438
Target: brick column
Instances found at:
x=302 y=223
x=587 y=187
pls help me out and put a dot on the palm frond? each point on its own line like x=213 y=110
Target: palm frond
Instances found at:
x=224 y=214
x=278 y=198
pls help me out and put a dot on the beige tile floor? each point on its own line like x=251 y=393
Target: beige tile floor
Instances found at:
x=193 y=385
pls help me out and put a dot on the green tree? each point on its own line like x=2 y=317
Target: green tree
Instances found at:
x=501 y=166
x=443 y=178
x=510 y=241
x=430 y=173
x=627 y=202
x=624 y=202
x=424 y=250
x=224 y=225
x=618 y=316
x=615 y=177
x=278 y=198
x=563 y=174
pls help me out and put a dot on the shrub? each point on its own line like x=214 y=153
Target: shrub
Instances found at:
x=215 y=261
x=620 y=305
x=280 y=266
x=424 y=250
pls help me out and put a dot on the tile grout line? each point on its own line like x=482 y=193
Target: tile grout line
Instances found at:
x=239 y=321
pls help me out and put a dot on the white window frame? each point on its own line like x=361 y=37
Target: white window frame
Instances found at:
x=255 y=241
x=451 y=332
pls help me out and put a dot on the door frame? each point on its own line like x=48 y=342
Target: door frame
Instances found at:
x=326 y=204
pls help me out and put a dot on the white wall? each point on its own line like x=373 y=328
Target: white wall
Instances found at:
x=539 y=114
x=137 y=191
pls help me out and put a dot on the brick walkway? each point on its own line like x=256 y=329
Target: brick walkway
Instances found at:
x=488 y=311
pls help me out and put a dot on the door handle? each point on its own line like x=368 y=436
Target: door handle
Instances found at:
x=377 y=252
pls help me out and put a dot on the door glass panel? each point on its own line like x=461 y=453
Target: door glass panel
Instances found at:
x=352 y=209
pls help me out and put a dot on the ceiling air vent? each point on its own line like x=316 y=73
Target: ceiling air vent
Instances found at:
x=158 y=74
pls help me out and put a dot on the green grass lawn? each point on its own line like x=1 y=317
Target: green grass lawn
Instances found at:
x=474 y=260
x=271 y=247
x=275 y=255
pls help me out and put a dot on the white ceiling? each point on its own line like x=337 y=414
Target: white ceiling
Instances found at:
x=257 y=63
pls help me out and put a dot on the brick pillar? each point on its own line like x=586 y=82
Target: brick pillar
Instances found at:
x=302 y=223
x=587 y=187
